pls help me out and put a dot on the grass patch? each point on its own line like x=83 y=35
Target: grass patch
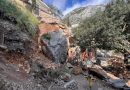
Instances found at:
x=24 y=18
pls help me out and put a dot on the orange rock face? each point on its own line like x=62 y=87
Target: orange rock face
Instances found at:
x=45 y=28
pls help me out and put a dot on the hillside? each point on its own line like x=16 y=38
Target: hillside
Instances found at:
x=79 y=14
x=23 y=29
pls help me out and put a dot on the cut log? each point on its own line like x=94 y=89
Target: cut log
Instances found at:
x=111 y=76
x=97 y=69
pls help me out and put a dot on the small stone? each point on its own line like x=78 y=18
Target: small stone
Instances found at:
x=66 y=77
x=77 y=70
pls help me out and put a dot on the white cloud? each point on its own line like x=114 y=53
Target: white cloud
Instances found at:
x=60 y=4
x=85 y=3
x=97 y=2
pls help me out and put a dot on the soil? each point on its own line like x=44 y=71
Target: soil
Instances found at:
x=97 y=84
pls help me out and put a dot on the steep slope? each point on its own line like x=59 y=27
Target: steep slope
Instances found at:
x=18 y=14
x=76 y=16
x=22 y=66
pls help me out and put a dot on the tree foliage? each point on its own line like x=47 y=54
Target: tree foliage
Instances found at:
x=106 y=29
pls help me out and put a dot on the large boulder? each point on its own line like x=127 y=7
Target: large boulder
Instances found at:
x=55 y=46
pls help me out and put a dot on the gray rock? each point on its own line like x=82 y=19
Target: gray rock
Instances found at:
x=118 y=83
x=56 y=46
x=66 y=77
x=14 y=39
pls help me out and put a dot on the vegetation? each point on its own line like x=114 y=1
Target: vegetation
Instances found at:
x=23 y=17
x=46 y=36
x=106 y=29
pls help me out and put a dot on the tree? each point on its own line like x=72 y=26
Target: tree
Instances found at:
x=106 y=27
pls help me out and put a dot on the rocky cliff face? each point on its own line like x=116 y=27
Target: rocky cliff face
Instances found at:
x=79 y=14
x=15 y=40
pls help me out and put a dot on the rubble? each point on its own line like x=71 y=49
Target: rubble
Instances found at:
x=111 y=69
x=68 y=83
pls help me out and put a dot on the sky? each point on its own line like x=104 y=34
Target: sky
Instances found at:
x=68 y=5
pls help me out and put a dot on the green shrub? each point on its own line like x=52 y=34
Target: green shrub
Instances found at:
x=46 y=36
x=24 y=18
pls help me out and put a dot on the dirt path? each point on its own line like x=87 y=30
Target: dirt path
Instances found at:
x=10 y=72
x=97 y=85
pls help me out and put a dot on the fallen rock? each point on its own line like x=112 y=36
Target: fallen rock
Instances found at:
x=68 y=84
x=77 y=70
x=56 y=46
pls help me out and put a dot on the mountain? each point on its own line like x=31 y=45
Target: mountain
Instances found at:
x=79 y=14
